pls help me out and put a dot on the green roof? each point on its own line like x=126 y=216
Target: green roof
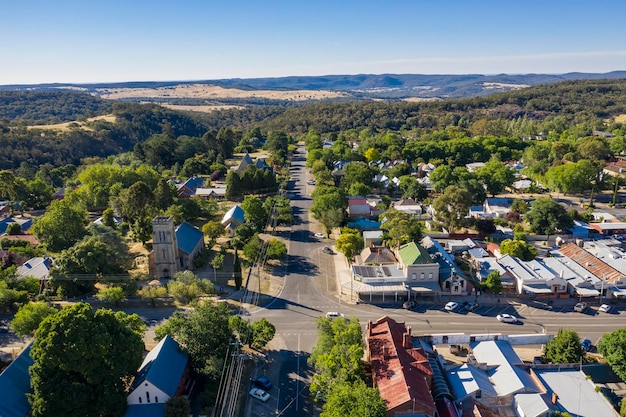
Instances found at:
x=412 y=254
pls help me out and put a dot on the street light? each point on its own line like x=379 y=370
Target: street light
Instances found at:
x=277 y=400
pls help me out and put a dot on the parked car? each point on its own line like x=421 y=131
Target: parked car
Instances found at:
x=311 y=182
x=604 y=308
x=452 y=306
x=586 y=345
x=328 y=250
x=262 y=382
x=319 y=235
x=259 y=394
x=333 y=315
x=506 y=318
x=471 y=306
x=409 y=305
x=580 y=307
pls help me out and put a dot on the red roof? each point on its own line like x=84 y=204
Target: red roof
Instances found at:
x=402 y=375
x=592 y=264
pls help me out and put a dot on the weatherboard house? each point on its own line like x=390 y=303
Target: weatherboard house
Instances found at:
x=164 y=373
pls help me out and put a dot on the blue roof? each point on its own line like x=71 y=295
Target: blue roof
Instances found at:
x=15 y=384
x=145 y=410
x=235 y=213
x=363 y=223
x=187 y=237
x=163 y=366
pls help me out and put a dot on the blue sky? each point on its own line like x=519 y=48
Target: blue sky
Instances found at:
x=139 y=40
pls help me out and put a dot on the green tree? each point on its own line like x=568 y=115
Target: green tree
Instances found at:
x=412 y=188
x=349 y=244
x=237 y=275
x=254 y=212
x=564 y=347
x=358 y=188
x=62 y=225
x=203 y=333
x=186 y=287
x=493 y=283
x=29 y=316
x=441 y=178
x=613 y=347
x=152 y=293
x=519 y=249
x=357 y=172
x=136 y=201
x=354 y=400
x=87 y=356
x=546 y=216
x=212 y=230
x=622 y=408
x=218 y=261
x=14 y=229
x=276 y=249
x=496 y=176
x=240 y=327
x=163 y=195
x=113 y=294
x=262 y=333
x=400 y=227
x=452 y=207
x=177 y=407
x=253 y=248
x=8 y=185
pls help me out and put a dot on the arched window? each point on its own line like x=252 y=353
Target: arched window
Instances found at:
x=147 y=396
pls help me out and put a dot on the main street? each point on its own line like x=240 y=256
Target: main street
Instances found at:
x=310 y=290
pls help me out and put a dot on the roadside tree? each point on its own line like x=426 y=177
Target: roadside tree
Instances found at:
x=354 y=400
x=350 y=244
x=29 y=316
x=546 y=216
x=613 y=347
x=564 y=347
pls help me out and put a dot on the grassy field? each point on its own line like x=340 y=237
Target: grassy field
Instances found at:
x=64 y=127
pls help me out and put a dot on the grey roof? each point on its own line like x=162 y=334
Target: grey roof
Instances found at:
x=163 y=366
x=234 y=215
x=533 y=405
x=466 y=380
x=15 y=384
x=507 y=378
x=38 y=267
x=187 y=237
x=576 y=394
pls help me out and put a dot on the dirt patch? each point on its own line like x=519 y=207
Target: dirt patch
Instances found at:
x=200 y=109
x=620 y=119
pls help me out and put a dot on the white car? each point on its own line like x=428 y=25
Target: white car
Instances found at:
x=319 y=235
x=452 y=306
x=506 y=318
x=333 y=315
x=311 y=182
x=604 y=308
x=580 y=307
x=259 y=394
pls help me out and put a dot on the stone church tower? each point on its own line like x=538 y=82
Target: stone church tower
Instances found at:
x=164 y=247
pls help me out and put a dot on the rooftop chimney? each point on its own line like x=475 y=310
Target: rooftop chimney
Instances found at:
x=407 y=343
x=555 y=398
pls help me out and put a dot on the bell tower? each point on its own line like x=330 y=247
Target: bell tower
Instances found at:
x=164 y=246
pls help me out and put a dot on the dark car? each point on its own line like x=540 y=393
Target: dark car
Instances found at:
x=328 y=250
x=470 y=306
x=262 y=382
x=586 y=345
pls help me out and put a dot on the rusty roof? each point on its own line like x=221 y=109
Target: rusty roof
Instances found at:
x=592 y=264
x=402 y=375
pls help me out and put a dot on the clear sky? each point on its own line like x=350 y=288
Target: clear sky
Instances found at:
x=82 y=41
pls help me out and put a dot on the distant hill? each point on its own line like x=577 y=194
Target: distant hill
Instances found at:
x=363 y=86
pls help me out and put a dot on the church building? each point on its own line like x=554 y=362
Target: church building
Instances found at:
x=173 y=248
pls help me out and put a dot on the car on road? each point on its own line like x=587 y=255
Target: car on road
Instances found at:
x=409 y=305
x=506 y=318
x=580 y=307
x=328 y=250
x=319 y=235
x=452 y=306
x=311 y=182
x=333 y=315
x=259 y=394
x=604 y=308
x=586 y=345
x=262 y=382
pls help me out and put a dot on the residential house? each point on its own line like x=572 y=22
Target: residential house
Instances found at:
x=474 y=166
x=217 y=192
x=372 y=238
x=408 y=206
x=359 y=207
x=376 y=255
x=361 y=223
x=522 y=186
x=164 y=373
x=233 y=219
x=422 y=273
x=188 y=188
x=401 y=372
x=38 y=267
x=15 y=385
x=497 y=207
x=451 y=279
x=24 y=222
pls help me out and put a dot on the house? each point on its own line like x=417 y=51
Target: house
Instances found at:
x=451 y=279
x=474 y=166
x=164 y=373
x=376 y=255
x=116 y=220
x=422 y=273
x=497 y=207
x=233 y=219
x=359 y=207
x=372 y=238
x=24 y=222
x=361 y=223
x=401 y=372
x=188 y=188
x=38 y=267
x=15 y=385
x=522 y=186
x=217 y=192
x=409 y=206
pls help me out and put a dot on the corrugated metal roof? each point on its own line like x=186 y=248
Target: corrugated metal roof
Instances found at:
x=401 y=374
x=15 y=384
x=187 y=237
x=589 y=262
x=163 y=366
x=466 y=380
x=413 y=254
x=531 y=404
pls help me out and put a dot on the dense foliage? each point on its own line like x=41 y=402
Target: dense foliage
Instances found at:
x=613 y=347
x=564 y=347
